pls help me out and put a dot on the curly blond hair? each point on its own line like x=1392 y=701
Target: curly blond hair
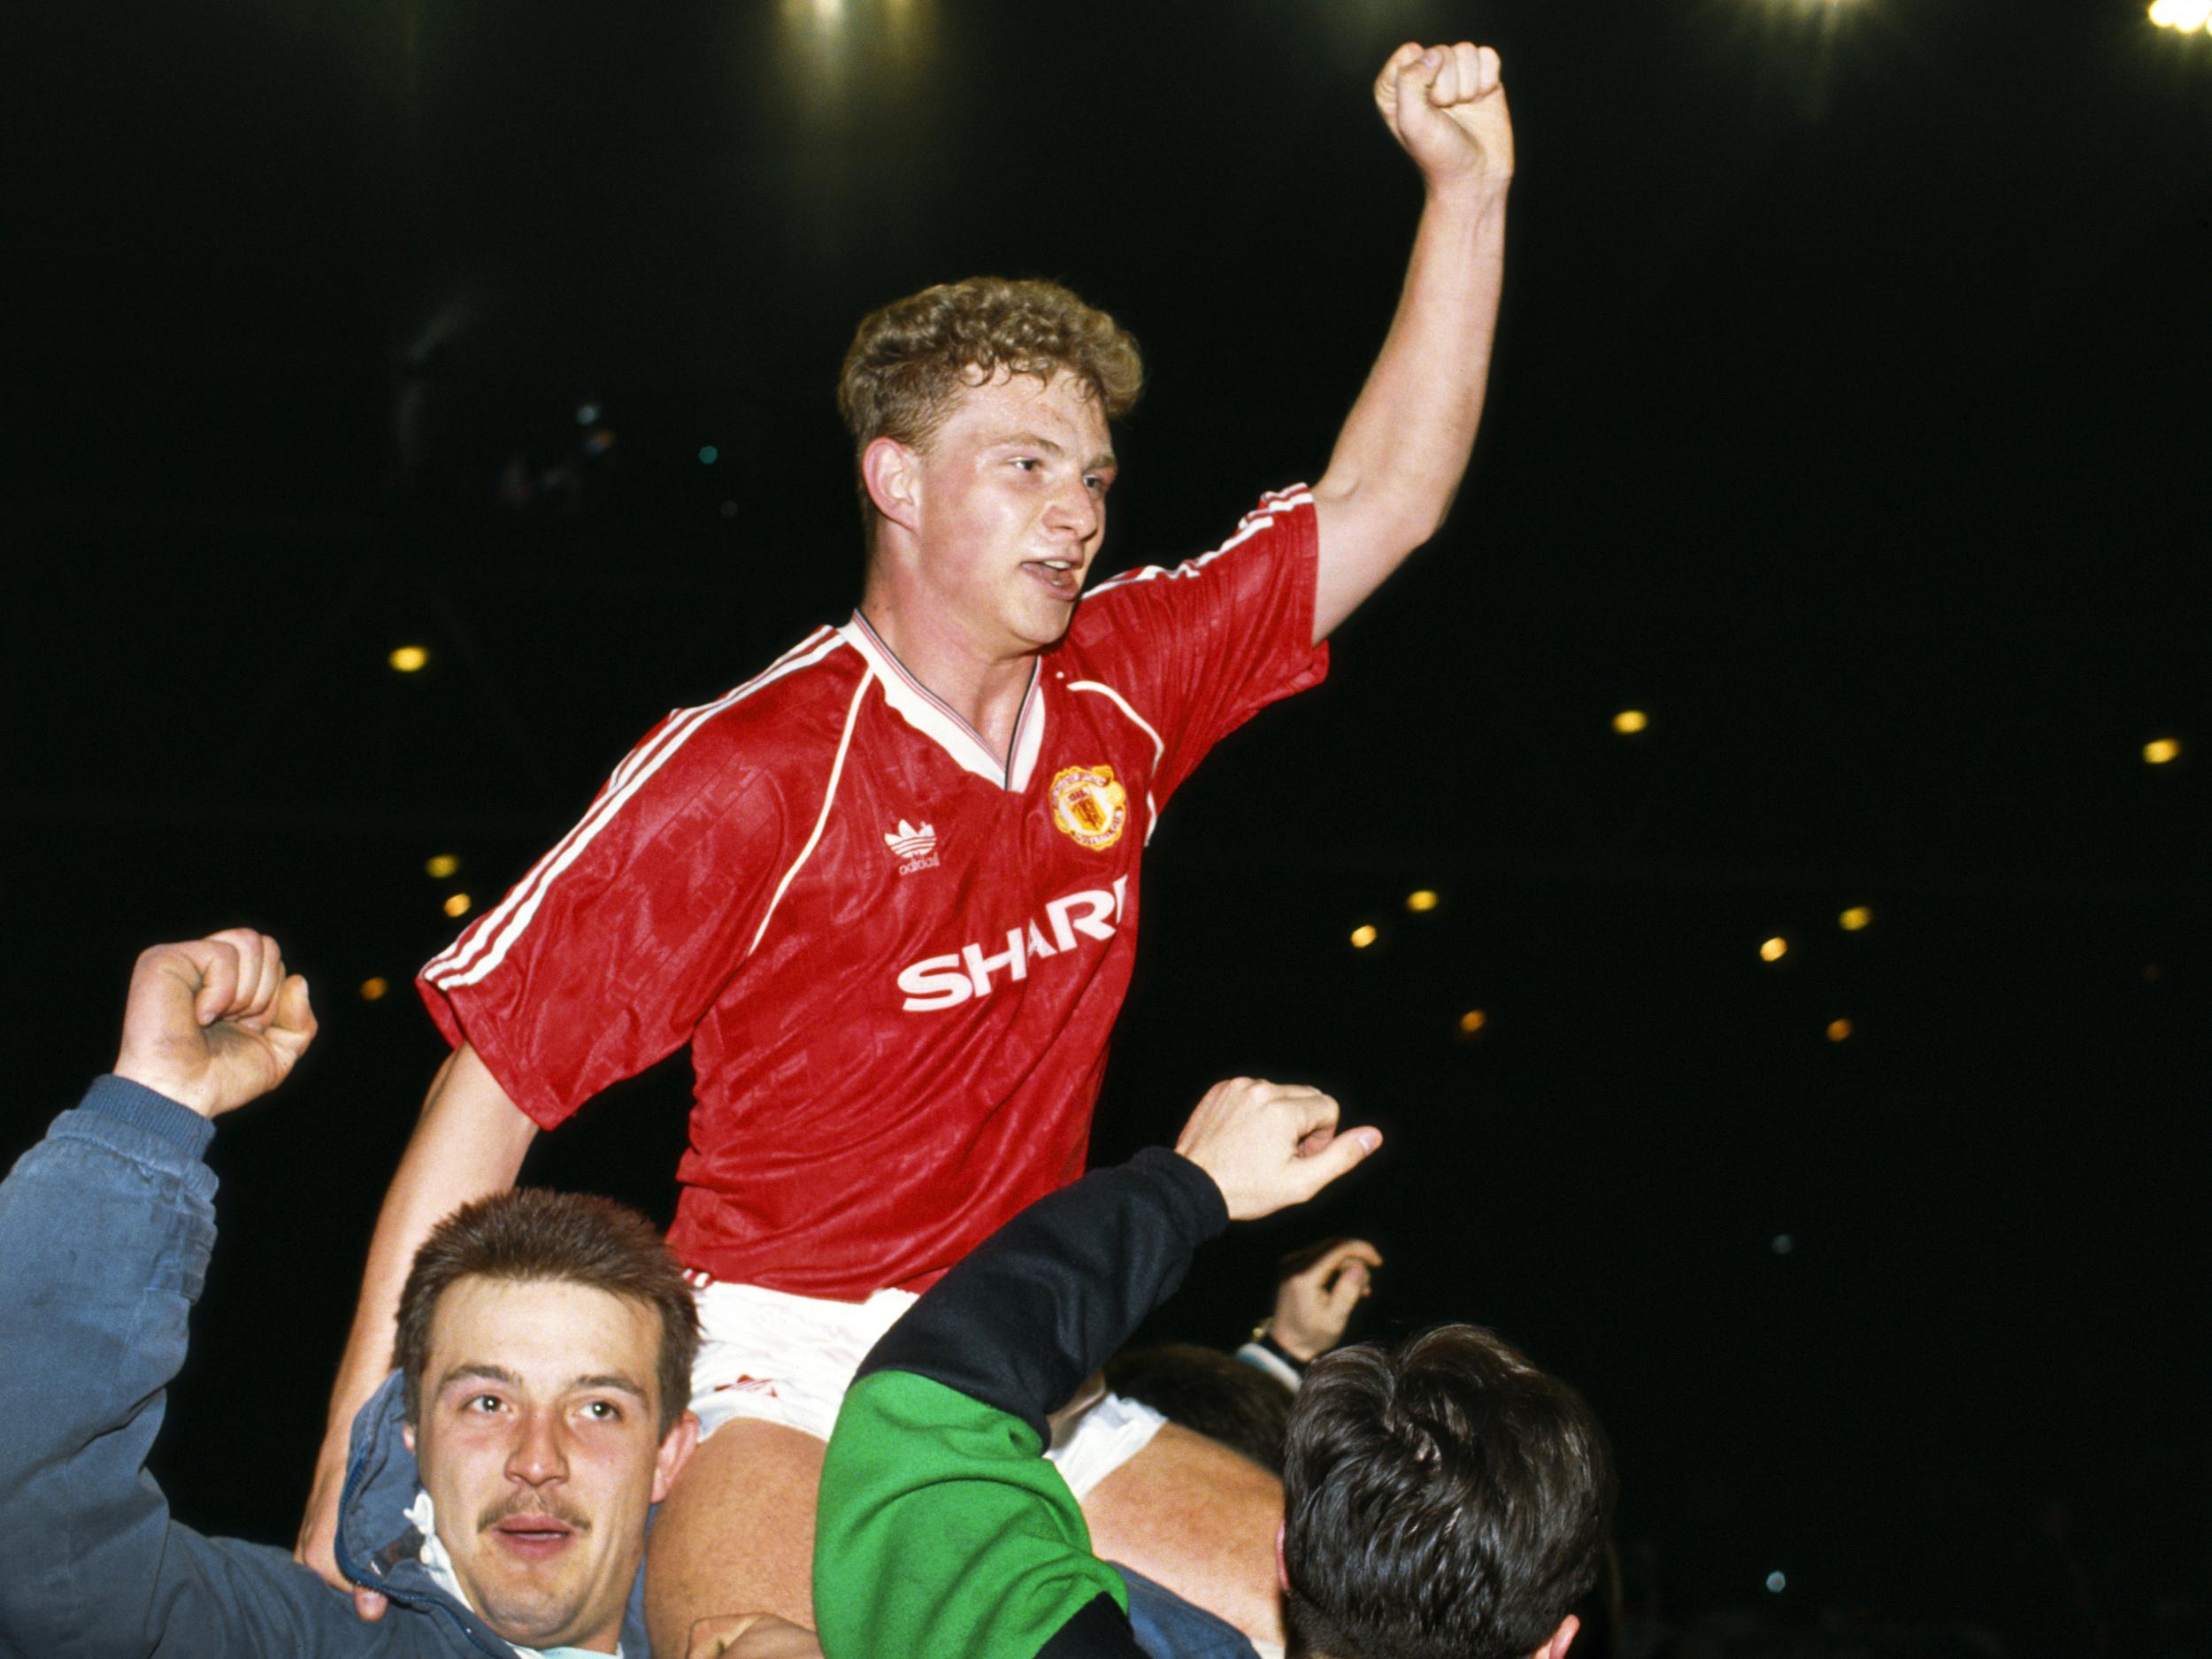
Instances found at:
x=911 y=358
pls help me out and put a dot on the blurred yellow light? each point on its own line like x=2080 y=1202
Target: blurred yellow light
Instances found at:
x=372 y=990
x=1774 y=949
x=1628 y=722
x=409 y=658
x=1839 y=1029
x=2182 y=14
x=1362 y=936
x=2159 y=750
x=1424 y=900
x=1473 y=1020
x=457 y=905
x=442 y=866
x=1852 y=920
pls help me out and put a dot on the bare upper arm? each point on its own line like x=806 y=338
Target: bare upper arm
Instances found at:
x=469 y=1142
x=1361 y=540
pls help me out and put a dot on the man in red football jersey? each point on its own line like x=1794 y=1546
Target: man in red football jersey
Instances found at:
x=886 y=889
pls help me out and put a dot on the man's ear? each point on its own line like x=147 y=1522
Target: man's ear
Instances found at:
x=676 y=1450
x=1557 y=1648
x=1282 y=1572
x=891 y=473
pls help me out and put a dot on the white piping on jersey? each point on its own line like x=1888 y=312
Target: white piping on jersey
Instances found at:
x=1258 y=519
x=1159 y=748
x=837 y=771
x=494 y=936
x=930 y=715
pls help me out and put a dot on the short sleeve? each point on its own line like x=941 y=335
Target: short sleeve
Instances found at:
x=602 y=958
x=1197 y=650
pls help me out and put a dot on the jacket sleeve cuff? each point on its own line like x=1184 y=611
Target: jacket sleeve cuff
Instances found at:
x=113 y=1097
x=1196 y=1204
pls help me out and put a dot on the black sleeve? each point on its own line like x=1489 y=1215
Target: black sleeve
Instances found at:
x=1051 y=1296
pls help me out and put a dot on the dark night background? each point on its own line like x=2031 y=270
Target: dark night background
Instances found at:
x=1850 y=418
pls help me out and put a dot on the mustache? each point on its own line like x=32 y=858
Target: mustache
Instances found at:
x=533 y=1504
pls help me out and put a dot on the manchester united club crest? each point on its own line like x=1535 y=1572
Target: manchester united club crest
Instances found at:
x=1088 y=805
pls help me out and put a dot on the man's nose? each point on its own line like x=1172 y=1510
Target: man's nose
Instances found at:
x=1075 y=510
x=538 y=1455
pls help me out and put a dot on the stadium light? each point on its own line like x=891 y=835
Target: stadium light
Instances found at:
x=457 y=905
x=1473 y=1020
x=2182 y=16
x=1774 y=949
x=2159 y=751
x=1855 y=919
x=1628 y=722
x=1424 y=900
x=439 y=867
x=409 y=659
x=373 y=990
x=1362 y=936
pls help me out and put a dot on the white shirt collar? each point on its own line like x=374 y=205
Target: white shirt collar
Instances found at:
x=927 y=713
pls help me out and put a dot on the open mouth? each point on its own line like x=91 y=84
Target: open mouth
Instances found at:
x=1062 y=577
x=534 y=1537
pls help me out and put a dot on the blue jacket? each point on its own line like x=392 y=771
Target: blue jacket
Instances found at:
x=106 y=1227
x=105 y=1231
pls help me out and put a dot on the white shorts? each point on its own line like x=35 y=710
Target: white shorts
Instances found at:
x=789 y=1359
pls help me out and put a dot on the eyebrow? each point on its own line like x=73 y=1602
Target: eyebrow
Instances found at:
x=1102 y=462
x=501 y=1374
x=482 y=1372
x=610 y=1379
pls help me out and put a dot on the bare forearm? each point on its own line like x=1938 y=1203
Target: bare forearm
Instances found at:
x=1409 y=434
x=469 y=1141
x=1399 y=460
x=1403 y=449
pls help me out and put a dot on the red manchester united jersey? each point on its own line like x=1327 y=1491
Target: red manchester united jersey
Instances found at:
x=895 y=953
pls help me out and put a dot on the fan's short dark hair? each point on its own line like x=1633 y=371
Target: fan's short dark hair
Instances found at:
x=1214 y=1393
x=1447 y=1501
x=530 y=1235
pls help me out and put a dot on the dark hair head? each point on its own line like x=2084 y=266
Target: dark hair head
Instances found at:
x=1447 y=1501
x=1214 y=1393
x=910 y=359
x=530 y=1235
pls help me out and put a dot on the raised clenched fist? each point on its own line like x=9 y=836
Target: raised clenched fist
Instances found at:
x=214 y=1023
x=1313 y=1301
x=1446 y=105
x=1268 y=1145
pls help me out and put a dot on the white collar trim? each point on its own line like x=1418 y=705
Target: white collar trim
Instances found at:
x=928 y=714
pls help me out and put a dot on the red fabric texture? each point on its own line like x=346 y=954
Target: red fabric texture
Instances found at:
x=883 y=1076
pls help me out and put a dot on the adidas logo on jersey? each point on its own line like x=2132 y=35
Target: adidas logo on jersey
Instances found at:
x=947 y=981
x=916 y=849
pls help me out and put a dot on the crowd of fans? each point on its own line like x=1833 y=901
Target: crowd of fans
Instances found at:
x=1442 y=1497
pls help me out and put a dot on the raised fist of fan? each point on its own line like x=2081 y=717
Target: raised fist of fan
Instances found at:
x=214 y=1023
x=1314 y=1298
x=1269 y=1145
